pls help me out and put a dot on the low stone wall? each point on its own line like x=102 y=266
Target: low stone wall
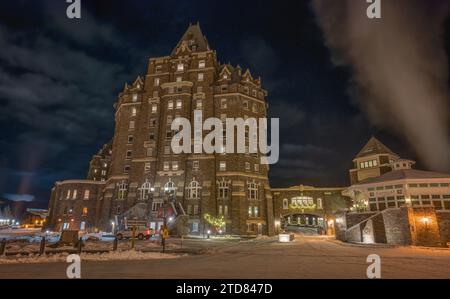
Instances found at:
x=421 y=226
x=396 y=225
x=443 y=219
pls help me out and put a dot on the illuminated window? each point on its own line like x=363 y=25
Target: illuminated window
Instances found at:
x=222 y=188
x=223 y=166
x=170 y=104
x=154 y=108
x=285 y=204
x=85 y=211
x=200 y=76
x=193 y=190
x=166 y=166
x=253 y=191
x=201 y=64
x=131 y=126
x=179 y=104
x=134 y=97
x=255 y=212
x=86 y=194
x=133 y=111
x=175 y=165
x=223 y=103
x=156 y=82
x=74 y=194
x=180 y=67
x=195 y=165
x=319 y=203
x=122 y=190
x=145 y=190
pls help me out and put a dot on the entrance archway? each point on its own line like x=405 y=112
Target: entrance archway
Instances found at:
x=308 y=224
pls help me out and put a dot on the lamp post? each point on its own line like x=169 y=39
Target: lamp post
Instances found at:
x=113 y=227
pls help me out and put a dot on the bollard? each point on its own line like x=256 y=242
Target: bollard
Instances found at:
x=80 y=245
x=115 y=244
x=2 y=247
x=42 y=247
x=133 y=237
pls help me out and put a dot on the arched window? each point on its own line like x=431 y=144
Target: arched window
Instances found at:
x=222 y=189
x=169 y=186
x=193 y=190
x=319 y=203
x=253 y=190
x=145 y=190
x=122 y=190
x=285 y=204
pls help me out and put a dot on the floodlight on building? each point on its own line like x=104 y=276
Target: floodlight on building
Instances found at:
x=425 y=220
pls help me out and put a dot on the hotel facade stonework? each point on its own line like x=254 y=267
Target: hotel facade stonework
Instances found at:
x=135 y=173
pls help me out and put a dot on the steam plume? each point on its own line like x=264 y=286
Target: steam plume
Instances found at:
x=399 y=65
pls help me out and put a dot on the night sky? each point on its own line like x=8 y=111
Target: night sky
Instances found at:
x=59 y=79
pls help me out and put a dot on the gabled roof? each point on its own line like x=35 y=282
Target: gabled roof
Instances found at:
x=193 y=33
x=405 y=174
x=374 y=147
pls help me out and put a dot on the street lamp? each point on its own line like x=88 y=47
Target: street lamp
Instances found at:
x=113 y=225
x=425 y=221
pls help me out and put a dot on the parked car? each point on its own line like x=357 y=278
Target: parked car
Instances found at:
x=141 y=233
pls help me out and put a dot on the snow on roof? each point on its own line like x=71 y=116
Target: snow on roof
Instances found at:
x=405 y=174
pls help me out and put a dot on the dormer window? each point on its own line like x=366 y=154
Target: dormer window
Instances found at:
x=225 y=76
x=134 y=98
x=180 y=67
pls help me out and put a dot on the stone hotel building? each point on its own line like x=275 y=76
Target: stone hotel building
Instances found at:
x=133 y=174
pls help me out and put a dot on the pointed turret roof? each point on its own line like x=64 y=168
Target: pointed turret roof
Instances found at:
x=374 y=147
x=193 y=37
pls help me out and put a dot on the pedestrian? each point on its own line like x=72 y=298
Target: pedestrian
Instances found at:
x=164 y=234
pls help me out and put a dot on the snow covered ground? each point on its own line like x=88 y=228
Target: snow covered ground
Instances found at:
x=307 y=257
x=110 y=256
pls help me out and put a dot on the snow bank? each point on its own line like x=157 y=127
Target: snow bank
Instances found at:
x=111 y=256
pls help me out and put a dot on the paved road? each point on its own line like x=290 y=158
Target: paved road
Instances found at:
x=307 y=257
